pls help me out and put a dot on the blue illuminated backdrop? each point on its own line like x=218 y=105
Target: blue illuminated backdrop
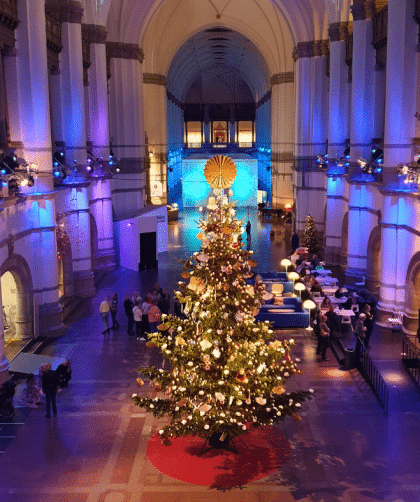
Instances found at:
x=195 y=189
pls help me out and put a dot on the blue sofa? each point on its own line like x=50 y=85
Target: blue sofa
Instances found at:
x=280 y=315
x=282 y=276
x=287 y=285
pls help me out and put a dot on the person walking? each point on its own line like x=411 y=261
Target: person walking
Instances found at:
x=50 y=386
x=104 y=310
x=128 y=307
x=138 y=319
x=114 y=309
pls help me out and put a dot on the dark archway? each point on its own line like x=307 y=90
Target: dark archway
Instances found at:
x=412 y=294
x=344 y=239
x=17 y=296
x=373 y=262
x=93 y=241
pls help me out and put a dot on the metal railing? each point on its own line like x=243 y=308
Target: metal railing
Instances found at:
x=411 y=360
x=374 y=379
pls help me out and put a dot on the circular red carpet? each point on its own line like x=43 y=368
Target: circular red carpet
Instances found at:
x=261 y=452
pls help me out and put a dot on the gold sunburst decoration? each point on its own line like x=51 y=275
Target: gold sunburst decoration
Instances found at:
x=220 y=171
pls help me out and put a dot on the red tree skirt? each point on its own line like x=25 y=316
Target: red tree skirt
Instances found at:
x=261 y=451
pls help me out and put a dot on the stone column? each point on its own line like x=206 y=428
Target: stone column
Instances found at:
x=206 y=124
x=338 y=132
x=311 y=135
x=127 y=127
x=70 y=78
x=401 y=86
x=282 y=123
x=97 y=90
x=27 y=91
x=99 y=192
x=362 y=203
x=232 y=125
x=155 y=116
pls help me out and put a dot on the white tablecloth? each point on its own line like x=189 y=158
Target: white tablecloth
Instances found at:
x=321 y=271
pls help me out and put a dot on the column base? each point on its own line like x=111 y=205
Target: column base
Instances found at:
x=51 y=320
x=335 y=257
x=104 y=260
x=84 y=284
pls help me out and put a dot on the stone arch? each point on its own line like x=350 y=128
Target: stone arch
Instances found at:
x=373 y=261
x=412 y=294
x=65 y=265
x=344 y=238
x=19 y=269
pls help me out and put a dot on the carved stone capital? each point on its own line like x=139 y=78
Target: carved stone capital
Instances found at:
x=71 y=11
x=311 y=49
x=121 y=50
x=285 y=77
x=363 y=9
x=339 y=31
x=154 y=78
x=94 y=34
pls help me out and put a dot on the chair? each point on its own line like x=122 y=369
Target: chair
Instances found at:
x=277 y=288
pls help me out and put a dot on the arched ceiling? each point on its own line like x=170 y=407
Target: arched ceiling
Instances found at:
x=218 y=56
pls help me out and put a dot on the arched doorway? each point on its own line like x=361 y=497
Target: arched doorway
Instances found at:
x=373 y=263
x=17 y=299
x=412 y=295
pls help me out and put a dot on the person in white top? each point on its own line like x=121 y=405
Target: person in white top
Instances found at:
x=138 y=314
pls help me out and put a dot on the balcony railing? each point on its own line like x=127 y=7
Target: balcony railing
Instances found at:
x=411 y=360
x=374 y=379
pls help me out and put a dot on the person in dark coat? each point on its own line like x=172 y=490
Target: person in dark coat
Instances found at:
x=164 y=303
x=64 y=374
x=50 y=386
x=128 y=308
x=295 y=241
x=114 y=309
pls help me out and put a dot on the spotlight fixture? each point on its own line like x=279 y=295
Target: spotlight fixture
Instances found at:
x=322 y=161
x=16 y=173
x=410 y=171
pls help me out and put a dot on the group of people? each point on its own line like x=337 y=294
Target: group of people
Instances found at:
x=46 y=383
x=143 y=315
x=324 y=318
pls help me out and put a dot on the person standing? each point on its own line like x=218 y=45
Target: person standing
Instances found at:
x=154 y=317
x=164 y=303
x=360 y=332
x=104 y=310
x=128 y=307
x=295 y=241
x=145 y=309
x=369 y=322
x=324 y=336
x=138 y=319
x=50 y=386
x=114 y=309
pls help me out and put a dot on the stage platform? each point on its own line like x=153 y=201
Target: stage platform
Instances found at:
x=25 y=364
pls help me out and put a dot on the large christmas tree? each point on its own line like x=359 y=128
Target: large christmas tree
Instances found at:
x=226 y=371
x=309 y=238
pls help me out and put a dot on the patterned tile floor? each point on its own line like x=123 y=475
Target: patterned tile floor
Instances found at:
x=344 y=449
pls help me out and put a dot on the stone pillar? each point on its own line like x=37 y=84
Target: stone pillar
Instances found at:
x=27 y=92
x=401 y=86
x=206 y=124
x=155 y=114
x=282 y=124
x=127 y=127
x=99 y=192
x=232 y=125
x=312 y=106
x=337 y=190
x=363 y=83
x=73 y=128
x=97 y=90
